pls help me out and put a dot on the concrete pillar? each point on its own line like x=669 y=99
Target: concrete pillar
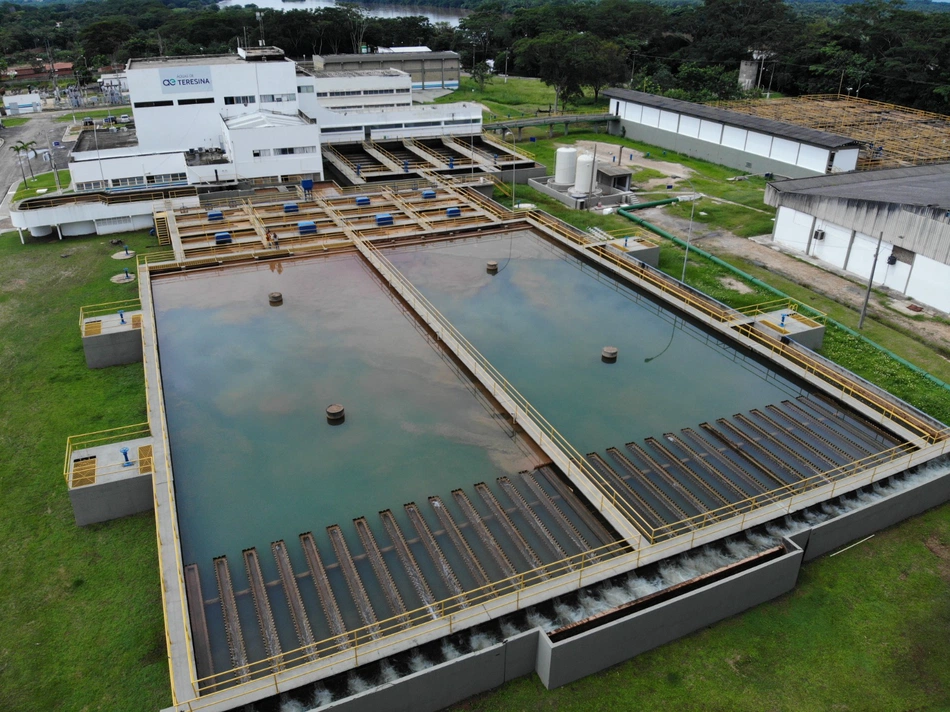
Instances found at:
x=20 y=230
x=58 y=232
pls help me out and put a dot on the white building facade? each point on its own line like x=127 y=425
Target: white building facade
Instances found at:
x=839 y=220
x=729 y=138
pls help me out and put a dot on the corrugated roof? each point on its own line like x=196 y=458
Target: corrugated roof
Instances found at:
x=262 y=120
x=710 y=113
x=386 y=56
x=924 y=186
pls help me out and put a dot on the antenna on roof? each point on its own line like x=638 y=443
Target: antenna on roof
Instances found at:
x=260 y=24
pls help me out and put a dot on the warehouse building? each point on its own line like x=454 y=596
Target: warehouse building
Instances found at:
x=748 y=143
x=839 y=220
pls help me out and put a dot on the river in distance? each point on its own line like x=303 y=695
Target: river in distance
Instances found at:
x=435 y=14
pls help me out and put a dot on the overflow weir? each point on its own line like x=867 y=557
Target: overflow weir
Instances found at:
x=465 y=553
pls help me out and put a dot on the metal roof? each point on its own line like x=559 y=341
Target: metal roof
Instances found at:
x=923 y=186
x=385 y=56
x=710 y=113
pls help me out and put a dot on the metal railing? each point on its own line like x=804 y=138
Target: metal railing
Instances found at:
x=86 y=441
x=457 y=610
x=108 y=309
x=804 y=312
x=106 y=198
x=488 y=138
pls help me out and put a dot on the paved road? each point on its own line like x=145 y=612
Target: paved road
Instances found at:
x=33 y=130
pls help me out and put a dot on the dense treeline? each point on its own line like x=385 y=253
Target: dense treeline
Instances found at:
x=876 y=49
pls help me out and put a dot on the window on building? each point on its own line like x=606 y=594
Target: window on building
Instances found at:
x=294 y=150
x=125 y=182
x=260 y=152
x=150 y=104
x=229 y=100
x=457 y=122
x=340 y=129
x=380 y=91
x=403 y=91
x=423 y=123
x=321 y=93
x=187 y=102
x=90 y=185
x=355 y=92
x=275 y=98
x=166 y=178
x=305 y=90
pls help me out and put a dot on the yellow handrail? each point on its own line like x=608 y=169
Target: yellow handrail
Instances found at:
x=94 y=310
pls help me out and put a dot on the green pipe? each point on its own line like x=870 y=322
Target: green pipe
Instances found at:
x=651 y=204
x=759 y=283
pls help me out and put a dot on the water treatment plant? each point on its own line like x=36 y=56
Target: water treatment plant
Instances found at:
x=404 y=444
x=444 y=531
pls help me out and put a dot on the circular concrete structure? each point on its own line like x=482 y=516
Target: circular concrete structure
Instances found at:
x=275 y=299
x=609 y=354
x=491 y=267
x=335 y=414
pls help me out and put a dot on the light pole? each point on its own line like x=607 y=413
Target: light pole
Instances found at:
x=689 y=232
x=52 y=161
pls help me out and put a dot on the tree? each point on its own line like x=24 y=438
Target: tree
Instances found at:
x=20 y=148
x=16 y=151
x=481 y=73
x=553 y=57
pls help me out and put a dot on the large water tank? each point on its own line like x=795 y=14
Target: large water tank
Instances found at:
x=584 y=174
x=565 y=163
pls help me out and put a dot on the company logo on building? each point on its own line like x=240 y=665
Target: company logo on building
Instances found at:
x=194 y=79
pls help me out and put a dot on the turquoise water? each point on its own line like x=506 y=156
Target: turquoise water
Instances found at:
x=543 y=320
x=246 y=387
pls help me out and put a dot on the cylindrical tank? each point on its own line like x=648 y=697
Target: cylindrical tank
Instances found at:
x=565 y=163
x=584 y=174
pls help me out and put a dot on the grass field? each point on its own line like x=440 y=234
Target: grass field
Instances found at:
x=80 y=609
x=42 y=181
x=14 y=121
x=517 y=97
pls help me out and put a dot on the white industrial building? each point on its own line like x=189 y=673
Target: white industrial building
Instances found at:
x=748 y=143
x=839 y=219
x=22 y=103
x=250 y=116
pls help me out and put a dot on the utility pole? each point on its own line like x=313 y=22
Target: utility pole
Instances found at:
x=52 y=162
x=867 y=295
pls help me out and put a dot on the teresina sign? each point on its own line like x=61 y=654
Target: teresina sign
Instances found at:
x=180 y=81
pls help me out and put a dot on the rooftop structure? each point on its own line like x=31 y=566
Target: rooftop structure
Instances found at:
x=840 y=218
x=889 y=135
x=750 y=143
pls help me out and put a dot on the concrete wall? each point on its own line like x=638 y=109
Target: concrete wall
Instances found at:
x=710 y=151
x=111 y=498
x=860 y=523
x=448 y=683
x=113 y=349
x=612 y=643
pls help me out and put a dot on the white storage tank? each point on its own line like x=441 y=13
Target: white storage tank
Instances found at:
x=565 y=163
x=584 y=174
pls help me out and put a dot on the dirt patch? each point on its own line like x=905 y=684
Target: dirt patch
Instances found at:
x=735 y=285
x=942 y=552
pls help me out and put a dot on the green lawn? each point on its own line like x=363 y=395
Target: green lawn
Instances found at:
x=80 y=609
x=517 y=97
x=80 y=114
x=42 y=181
x=10 y=122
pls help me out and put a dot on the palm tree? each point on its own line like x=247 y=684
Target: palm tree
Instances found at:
x=16 y=148
x=28 y=146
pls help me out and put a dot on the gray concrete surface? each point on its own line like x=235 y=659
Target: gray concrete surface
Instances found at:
x=112 y=498
x=33 y=130
x=113 y=348
x=563 y=662
x=837 y=532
